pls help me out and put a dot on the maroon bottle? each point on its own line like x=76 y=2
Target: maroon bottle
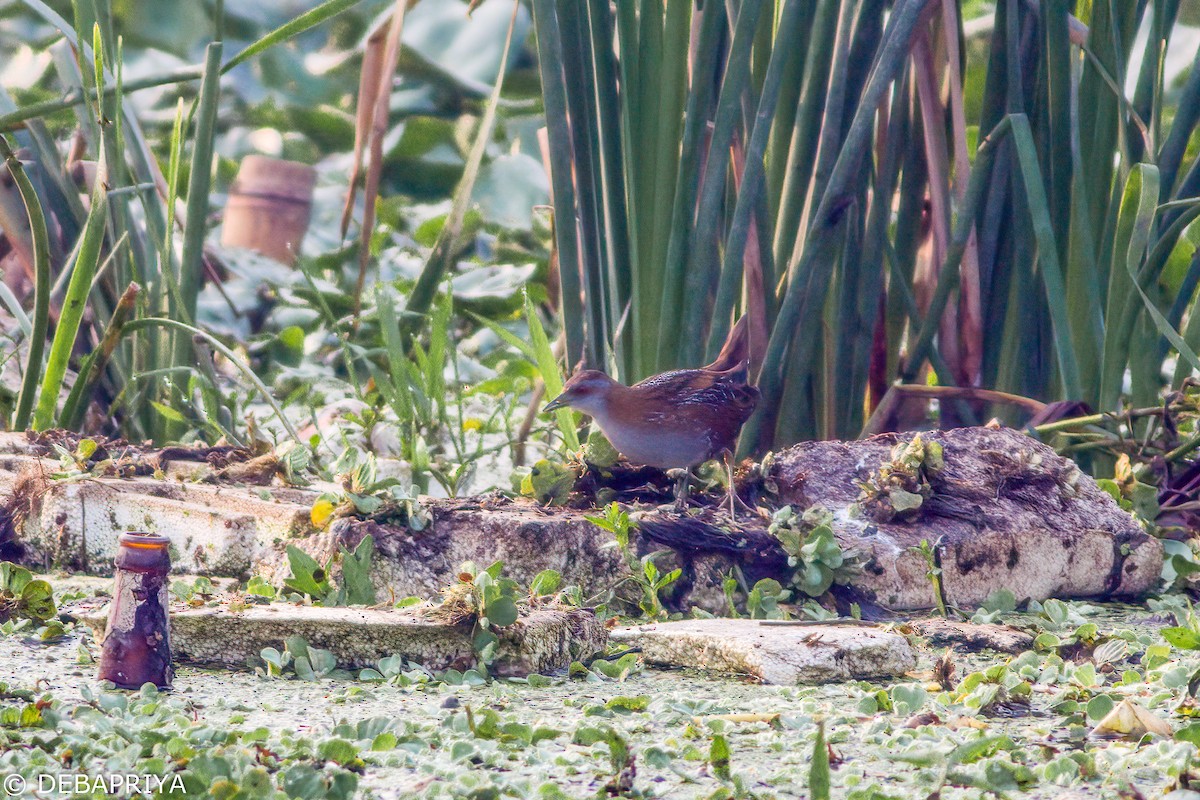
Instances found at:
x=137 y=645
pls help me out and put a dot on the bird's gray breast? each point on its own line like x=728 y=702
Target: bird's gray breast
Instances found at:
x=658 y=446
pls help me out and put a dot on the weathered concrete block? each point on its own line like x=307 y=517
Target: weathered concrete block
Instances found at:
x=214 y=529
x=1007 y=512
x=773 y=653
x=528 y=539
x=544 y=641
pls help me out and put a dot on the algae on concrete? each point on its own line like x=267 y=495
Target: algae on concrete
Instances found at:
x=546 y=640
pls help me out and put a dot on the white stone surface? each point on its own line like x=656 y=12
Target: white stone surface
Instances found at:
x=773 y=653
x=214 y=529
x=545 y=640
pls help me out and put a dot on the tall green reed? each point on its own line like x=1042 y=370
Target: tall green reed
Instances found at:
x=913 y=205
x=127 y=235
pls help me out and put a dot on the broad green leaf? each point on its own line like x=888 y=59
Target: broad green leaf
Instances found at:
x=356 y=573
x=545 y=583
x=37 y=601
x=308 y=577
x=13 y=577
x=501 y=612
x=1183 y=638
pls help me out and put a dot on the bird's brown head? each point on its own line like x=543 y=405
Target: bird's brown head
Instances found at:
x=585 y=391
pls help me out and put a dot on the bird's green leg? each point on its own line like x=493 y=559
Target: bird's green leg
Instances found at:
x=732 y=490
x=735 y=502
x=681 y=489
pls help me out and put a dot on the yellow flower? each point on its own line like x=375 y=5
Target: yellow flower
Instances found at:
x=322 y=512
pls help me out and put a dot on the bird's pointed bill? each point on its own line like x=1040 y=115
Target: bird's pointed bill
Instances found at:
x=554 y=405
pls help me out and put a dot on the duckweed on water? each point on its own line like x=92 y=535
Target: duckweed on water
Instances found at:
x=1014 y=726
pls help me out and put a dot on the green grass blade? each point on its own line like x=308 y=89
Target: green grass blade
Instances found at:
x=1143 y=184
x=1121 y=314
x=839 y=106
x=395 y=384
x=806 y=130
x=1052 y=277
x=1085 y=302
x=613 y=171
x=98 y=66
x=660 y=283
x=1099 y=107
x=17 y=118
x=860 y=327
x=86 y=261
x=89 y=375
x=1056 y=155
x=700 y=280
x=539 y=352
x=1191 y=333
x=440 y=350
x=219 y=346
x=753 y=178
x=668 y=83
x=1187 y=115
x=589 y=185
x=167 y=278
x=511 y=339
x=806 y=292
x=191 y=263
x=788 y=105
x=41 y=290
x=554 y=93
x=304 y=22
x=947 y=279
x=548 y=366
x=819 y=778
x=439 y=262
x=15 y=308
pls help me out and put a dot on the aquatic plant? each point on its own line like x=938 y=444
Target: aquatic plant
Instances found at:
x=890 y=193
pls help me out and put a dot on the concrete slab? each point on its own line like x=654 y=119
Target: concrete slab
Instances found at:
x=1006 y=512
x=528 y=539
x=543 y=641
x=214 y=529
x=773 y=653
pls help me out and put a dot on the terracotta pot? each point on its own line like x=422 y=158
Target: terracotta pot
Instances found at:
x=269 y=207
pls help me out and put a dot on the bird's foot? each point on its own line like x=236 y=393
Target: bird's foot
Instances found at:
x=682 y=487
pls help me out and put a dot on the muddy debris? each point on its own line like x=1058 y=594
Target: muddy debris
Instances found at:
x=781 y=654
x=975 y=637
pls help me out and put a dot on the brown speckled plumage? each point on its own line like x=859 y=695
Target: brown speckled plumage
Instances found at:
x=677 y=419
x=674 y=420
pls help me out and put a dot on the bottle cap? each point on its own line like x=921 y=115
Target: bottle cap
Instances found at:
x=144 y=552
x=143 y=539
